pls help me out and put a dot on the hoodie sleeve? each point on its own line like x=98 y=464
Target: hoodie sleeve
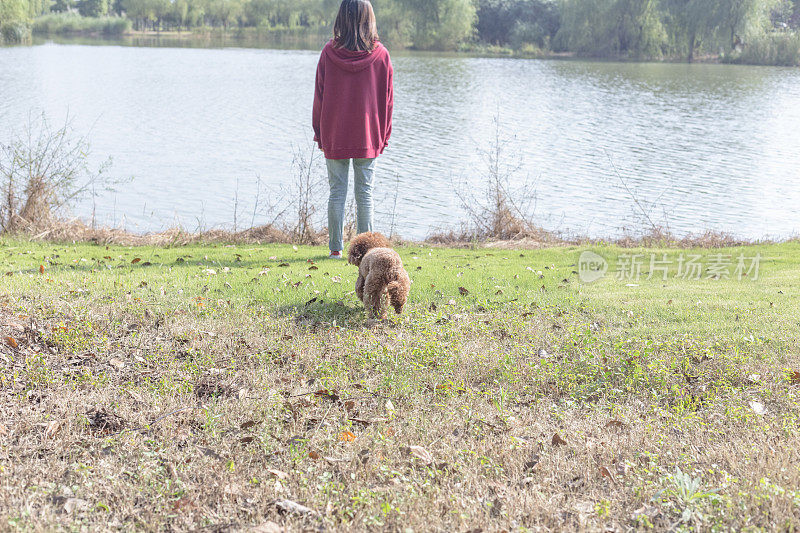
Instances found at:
x=317 y=113
x=389 y=106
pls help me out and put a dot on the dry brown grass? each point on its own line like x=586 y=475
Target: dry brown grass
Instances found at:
x=175 y=421
x=77 y=231
x=661 y=238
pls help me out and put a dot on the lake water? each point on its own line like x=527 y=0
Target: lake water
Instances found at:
x=701 y=146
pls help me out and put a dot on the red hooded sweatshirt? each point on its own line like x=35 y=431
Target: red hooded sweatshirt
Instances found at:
x=353 y=102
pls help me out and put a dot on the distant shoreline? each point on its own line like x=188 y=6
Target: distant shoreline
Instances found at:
x=267 y=40
x=76 y=230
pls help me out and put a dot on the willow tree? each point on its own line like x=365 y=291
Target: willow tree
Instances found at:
x=440 y=24
x=611 y=28
x=15 y=17
x=742 y=19
x=394 y=25
x=93 y=8
x=518 y=21
x=700 y=22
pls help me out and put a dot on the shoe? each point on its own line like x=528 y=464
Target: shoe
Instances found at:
x=336 y=255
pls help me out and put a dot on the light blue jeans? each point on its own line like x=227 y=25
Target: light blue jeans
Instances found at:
x=364 y=173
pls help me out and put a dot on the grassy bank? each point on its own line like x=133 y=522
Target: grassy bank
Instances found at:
x=207 y=386
x=780 y=49
x=74 y=24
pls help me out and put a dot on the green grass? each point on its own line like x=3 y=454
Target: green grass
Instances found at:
x=229 y=377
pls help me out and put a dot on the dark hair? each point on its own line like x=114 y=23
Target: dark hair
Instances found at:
x=355 y=27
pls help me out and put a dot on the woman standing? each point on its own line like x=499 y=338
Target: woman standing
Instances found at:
x=352 y=119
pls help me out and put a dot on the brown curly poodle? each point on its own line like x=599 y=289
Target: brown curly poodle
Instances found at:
x=380 y=270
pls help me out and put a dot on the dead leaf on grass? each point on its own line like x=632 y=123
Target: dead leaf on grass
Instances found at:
x=278 y=474
x=267 y=527
x=331 y=395
x=290 y=507
x=533 y=463
x=605 y=472
x=649 y=511
x=75 y=504
x=758 y=408
x=207 y=388
x=209 y=453
x=542 y=353
x=183 y=504
x=557 y=440
x=52 y=428
x=419 y=452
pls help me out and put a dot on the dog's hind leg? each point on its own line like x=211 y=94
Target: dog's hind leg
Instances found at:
x=360 y=287
x=373 y=295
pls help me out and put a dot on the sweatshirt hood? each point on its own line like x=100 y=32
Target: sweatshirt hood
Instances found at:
x=353 y=61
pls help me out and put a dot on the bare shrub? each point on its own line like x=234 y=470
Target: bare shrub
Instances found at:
x=499 y=211
x=350 y=228
x=44 y=170
x=660 y=238
x=304 y=196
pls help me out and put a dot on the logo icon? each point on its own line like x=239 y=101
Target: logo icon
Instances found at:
x=591 y=267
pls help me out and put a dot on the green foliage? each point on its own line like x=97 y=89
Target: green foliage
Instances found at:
x=14 y=32
x=15 y=17
x=710 y=25
x=610 y=28
x=758 y=31
x=66 y=23
x=440 y=24
x=518 y=22
x=93 y=8
x=61 y=6
x=394 y=25
x=653 y=28
x=772 y=49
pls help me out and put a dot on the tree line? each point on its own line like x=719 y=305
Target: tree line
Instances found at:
x=670 y=28
x=15 y=16
x=636 y=29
